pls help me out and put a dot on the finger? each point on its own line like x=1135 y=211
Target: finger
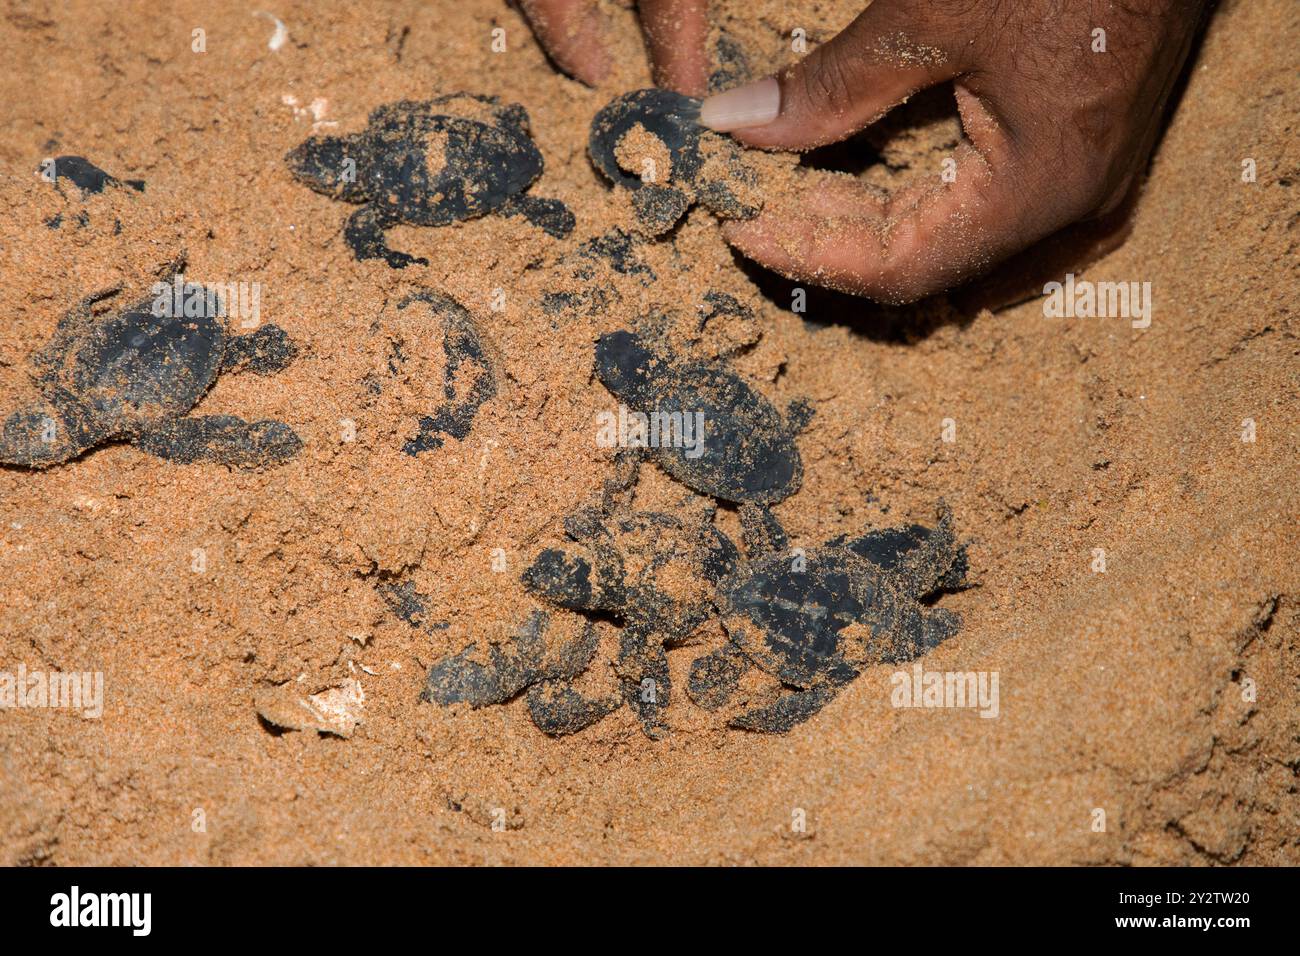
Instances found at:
x=922 y=240
x=573 y=33
x=1021 y=276
x=893 y=49
x=676 y=32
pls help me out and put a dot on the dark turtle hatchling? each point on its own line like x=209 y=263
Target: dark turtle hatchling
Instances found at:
x=655 y=573
x=635 y=135
x=84 y=174
x=449 y=159
x=526 y=661
x=134 y=374
x=532 y=659
x=816 y=620
x=88 y=178
x=745 y=450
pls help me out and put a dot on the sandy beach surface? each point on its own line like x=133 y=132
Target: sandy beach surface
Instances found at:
x=1130 y=494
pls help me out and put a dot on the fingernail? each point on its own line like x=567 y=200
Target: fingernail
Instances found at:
x=754 y=104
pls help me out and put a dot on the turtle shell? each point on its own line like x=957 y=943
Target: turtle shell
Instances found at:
x=454 y=158
x=748 y=452
x=135 y=367
x=670 y=117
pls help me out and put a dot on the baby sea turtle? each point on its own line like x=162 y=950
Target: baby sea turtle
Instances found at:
x=704 y=425
x=449 y=159
x=655 y=573
x=88 y=178
x=533 y=659
x=815 y=620
x=469 y=379
x=134 y=374
x=651 y=142
x=84 y=174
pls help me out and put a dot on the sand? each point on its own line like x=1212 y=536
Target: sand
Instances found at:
x=1148 y=712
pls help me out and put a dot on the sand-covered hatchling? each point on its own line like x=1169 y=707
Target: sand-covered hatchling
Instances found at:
x=814 y=620
x=654 y=572
x=135 y=373
x=469 y=375
x=723 y=438
x=534 y=657
x=650 y=142
x=430 y=163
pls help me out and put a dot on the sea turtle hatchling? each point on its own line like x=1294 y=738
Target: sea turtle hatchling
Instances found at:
x=640 y=133
x=134 y=374
x=815 y=620
x=432 y=163
x=84 y=174
x=535 y=657
x=531 y=659
x=654 y=572
x=741 y=449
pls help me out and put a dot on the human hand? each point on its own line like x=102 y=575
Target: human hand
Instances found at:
x=574 y=33
x=1056 y=132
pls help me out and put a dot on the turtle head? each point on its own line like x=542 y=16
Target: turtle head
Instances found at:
x=924 y=560
x=624 y=363
x=330 y=165
x=562 y=577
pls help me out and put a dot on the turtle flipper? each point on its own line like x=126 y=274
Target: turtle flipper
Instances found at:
x=223 y=439
x=659 y=208
x=558 y=710
x=887 y=548
x=791 y=709
x=714 y=677
x=364 y=234
x=617 y=491
x=88 y=177
x=552 y=216
x=937 y=625
x=760 y=532
x=264 y=352
x=643 y=665
x=410 y=605
x=38 y=436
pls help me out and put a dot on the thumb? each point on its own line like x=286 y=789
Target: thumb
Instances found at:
x=893 y=49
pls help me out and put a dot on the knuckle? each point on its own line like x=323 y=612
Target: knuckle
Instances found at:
x=828 y=80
